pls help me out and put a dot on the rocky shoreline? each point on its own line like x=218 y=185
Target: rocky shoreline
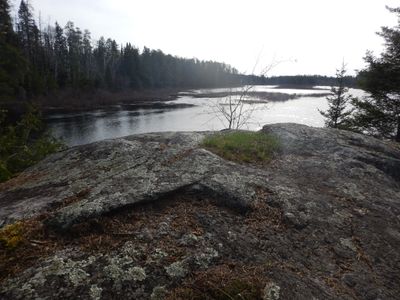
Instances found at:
x=156 y=216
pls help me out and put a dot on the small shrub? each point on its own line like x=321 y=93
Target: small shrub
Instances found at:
x=243 y=146
x=23 y=143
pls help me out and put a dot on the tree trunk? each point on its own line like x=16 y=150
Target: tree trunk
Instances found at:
x=398 y=130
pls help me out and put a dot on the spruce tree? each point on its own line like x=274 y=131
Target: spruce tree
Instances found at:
x=337 y=115
x=28 y=33
x=61 y=56
x=12 y=64
x=379 y=113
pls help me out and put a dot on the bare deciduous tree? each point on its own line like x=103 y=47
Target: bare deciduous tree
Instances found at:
x=234 y=111
x=237 y=109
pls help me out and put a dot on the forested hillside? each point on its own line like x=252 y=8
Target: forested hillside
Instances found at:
x=36 y=61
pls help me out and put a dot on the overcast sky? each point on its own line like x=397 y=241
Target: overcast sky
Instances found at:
x=307 y=36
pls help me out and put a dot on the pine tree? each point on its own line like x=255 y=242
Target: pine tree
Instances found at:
x=338 y=113
x=379 y=113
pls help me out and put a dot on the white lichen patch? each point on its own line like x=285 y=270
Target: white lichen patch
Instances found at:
x=159 y=254
x=137 y=273
x=189 y=239
x=120 y=269
x=159 y=293
x=113 y=271
x=205 y=258
x=78 y=276
x=95 y=292
x=71 y=269
x=131 y=250
x=271 y=291
x=177 y=269
x=73 y=272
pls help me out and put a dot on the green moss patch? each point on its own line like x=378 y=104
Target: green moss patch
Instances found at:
x=243 y=146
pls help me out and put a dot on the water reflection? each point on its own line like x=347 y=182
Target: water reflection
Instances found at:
x=87 y=127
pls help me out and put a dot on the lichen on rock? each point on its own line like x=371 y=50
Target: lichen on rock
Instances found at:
x=271 y=291
x=156 y=215
x=178 y=269
x=158 y=293
x=95 y=292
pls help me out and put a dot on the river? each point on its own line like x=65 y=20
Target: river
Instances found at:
x=86 y=127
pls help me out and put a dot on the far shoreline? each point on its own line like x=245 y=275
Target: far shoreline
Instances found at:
x=75 y=101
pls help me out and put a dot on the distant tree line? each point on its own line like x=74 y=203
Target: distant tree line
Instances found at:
x=309 y=80
x=36 y=61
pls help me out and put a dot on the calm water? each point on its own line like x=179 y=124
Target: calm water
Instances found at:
x=87 y=127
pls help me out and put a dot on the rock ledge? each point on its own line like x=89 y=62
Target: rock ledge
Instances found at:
x=321 y=221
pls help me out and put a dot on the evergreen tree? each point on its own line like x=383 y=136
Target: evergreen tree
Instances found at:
x=36 y=61
x=74 y=43
x=99 y=54
x=129 y=66
x=29 y=41
x=338 y=113
x=23 y=143
x=146 y=68
x=27 y=30
x=112 y=60
x=12 y=64
x=6 y=30
x=86 y=58
x=379 y=113
x=61 y=56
